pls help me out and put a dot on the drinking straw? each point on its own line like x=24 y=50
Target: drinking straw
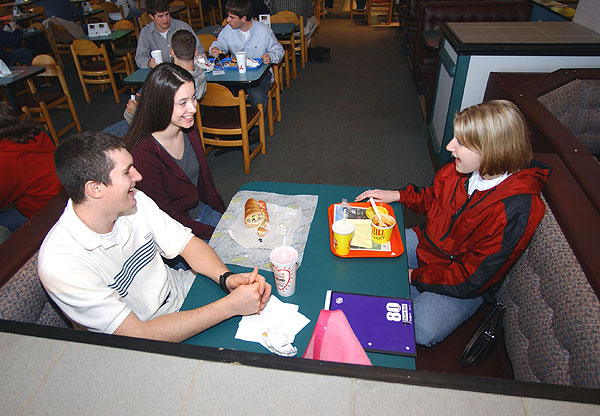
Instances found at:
x=344 y=216
x=376 y=211
x=284 y=241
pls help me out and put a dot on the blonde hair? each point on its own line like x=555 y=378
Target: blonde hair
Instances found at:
x=498 y=132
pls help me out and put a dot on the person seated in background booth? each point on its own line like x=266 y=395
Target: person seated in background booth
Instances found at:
x=10 y=55
x=129 y=10
x=167 y=151
x=158 y=34
x=27 y=176
x=62 y=9
x=101 y=262
x=481 y=212
x=302 y=8
x=183 y=51
x=243 y=34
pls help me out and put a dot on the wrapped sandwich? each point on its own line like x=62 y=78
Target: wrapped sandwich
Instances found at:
x=256 y=216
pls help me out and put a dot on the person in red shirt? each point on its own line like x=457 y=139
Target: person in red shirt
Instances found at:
x=27 y=176
x=481 y=212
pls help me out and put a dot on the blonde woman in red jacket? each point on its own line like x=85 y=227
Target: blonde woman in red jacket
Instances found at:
x=167 y=151
x=481 y=212
x=27 y=176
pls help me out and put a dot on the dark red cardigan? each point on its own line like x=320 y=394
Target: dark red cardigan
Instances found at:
x=170 y=188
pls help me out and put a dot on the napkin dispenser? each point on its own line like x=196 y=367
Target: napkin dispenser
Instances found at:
x=87 y=7
x=265 y=19
x=98 y=29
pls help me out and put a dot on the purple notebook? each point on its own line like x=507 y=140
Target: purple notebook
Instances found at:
x=381 y=324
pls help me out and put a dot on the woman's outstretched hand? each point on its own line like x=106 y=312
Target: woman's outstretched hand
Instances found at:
x=379 y=195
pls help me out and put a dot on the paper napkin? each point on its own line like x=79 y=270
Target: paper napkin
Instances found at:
x=275 y=328
x=251 y=63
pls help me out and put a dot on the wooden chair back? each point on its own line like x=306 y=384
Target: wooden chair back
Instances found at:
x=194 y=13
x=127 y=24
x=43 y=103
x=144 y=19
x=60 y=40
x=109 y=7
x=220 y=97
x=206 y=40
x=97 y=74
x=299 y=40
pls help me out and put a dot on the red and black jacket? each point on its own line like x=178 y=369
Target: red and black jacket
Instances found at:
x=468 y=244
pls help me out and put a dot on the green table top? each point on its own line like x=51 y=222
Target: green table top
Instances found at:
x=231 y=76
x=320 y=270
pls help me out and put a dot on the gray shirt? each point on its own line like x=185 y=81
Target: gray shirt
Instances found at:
x=151 y=39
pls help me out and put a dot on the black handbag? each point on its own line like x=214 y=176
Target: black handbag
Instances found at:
x=485 y=337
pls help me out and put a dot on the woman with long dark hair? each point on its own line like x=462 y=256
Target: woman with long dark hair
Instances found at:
x=167 y=151
x=27 y=176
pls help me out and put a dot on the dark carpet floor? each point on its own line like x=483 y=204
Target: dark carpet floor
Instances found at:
x=353 y=121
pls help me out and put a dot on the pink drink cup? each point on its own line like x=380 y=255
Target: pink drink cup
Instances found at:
x=284 y=269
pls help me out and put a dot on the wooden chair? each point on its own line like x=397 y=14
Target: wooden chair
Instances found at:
x=206 y=40
x=274 y=93
x=374 y=5
x=381 y=5
x=194 y=14
x=290 y=52
x=109 y=7
x=300 y=44
x=223 y=114
x=125 y=48
x=143 y=20
x=41 y=102
x=215 y=11
x=39 y=19
x=95 y=67
x=183 y=14
x=60 y=40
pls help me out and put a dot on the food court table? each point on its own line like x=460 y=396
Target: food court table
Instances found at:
x=232 y=79
x=19 y=73
x=320 y=270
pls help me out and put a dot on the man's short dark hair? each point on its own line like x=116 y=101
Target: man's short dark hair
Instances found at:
x=240 y=8
x=183 y=43
x=157 y=6
x=84 y=157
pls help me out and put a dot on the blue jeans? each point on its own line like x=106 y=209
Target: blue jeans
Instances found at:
x=206 y=216
x=118 y=129
x=435 y=315
x=12 y=219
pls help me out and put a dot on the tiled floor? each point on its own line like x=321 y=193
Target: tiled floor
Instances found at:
x=47 y=377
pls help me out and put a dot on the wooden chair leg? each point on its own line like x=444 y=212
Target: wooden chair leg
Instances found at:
x=48 y=122
x=113 y=84
x=270 y=112
x=261 y=129
x=73 y=113
x=287 y=70
x=246 y=150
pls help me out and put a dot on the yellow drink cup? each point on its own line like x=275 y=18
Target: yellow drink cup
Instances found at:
x=381 y=233
x=343 y=231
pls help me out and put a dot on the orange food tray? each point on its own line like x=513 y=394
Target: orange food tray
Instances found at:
x=396 y=240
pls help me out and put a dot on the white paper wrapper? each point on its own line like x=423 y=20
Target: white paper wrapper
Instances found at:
x=289 y=215
x=251 y=63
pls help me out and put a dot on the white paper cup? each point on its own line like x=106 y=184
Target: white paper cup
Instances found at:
x=284 y=269
x=157 y=55
x=241 y=62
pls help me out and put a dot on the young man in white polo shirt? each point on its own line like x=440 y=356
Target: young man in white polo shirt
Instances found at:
x=101 y=262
